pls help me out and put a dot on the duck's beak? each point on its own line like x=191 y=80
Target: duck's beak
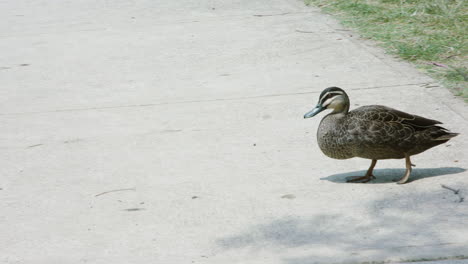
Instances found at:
x=314 y=111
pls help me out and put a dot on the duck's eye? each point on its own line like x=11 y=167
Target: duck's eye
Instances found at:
x=328 y=96
x=327 y=99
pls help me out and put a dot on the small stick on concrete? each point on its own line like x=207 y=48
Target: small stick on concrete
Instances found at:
x=456 y=192
x=133 y=209
x=305 y=31
x=281 y=14
x=37 y=145
x=451 y=189
x=118 y=190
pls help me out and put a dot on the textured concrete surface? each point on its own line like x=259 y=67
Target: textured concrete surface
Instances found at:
x=172 y=132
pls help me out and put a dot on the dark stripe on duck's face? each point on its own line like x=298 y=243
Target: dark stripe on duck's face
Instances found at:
x=329 y=95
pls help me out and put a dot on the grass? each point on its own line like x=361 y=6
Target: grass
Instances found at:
x=430 y=33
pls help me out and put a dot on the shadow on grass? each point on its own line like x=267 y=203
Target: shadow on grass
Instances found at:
x=393 y=175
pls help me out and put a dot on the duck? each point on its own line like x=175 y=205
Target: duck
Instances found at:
x=374 y=132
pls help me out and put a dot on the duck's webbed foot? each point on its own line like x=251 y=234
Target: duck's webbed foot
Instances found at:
x=360 y=179
x=366 y=178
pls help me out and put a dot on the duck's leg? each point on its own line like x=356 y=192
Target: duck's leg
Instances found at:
x=405 y=178
x=366 y=177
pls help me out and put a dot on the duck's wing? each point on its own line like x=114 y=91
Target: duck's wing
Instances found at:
x=380 y=113
x=394 y=130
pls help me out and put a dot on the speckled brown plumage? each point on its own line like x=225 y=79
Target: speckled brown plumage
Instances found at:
x=373 y=132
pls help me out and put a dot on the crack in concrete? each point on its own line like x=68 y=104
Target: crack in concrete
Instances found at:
x=200 y=101
x=183 y=21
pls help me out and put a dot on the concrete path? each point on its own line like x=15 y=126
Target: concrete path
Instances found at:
x=172 y=132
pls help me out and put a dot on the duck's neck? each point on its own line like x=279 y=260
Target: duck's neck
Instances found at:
x=341 y=110
x=334 y=117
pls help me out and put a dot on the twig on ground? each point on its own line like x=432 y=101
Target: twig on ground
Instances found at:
x=281 y=14
x=451 y=189
x=304 y=31
x=36 y=145
x=133 y=209
x=456 y=192
x=118 y=190
x=436 y=64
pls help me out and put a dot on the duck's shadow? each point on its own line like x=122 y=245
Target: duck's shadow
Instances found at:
x=393 y=175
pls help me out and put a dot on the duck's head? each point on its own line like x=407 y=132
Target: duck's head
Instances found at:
x=331 y=98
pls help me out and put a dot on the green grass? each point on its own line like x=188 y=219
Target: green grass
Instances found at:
x=430 y=33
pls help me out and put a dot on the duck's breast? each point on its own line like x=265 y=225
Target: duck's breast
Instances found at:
x=333 y=139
